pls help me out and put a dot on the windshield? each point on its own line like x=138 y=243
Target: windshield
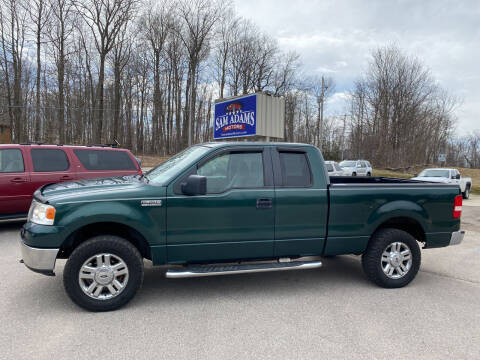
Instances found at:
x=434 y=173
x=164 y=172
x=348 y=163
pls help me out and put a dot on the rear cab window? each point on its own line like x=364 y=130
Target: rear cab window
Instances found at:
x=295 y=169
x=49 y=160
x=11 y=161
x=104 y=159
x=329 y=167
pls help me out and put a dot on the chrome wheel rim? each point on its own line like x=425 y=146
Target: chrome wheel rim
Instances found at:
x=396 y=260
x=103 y=276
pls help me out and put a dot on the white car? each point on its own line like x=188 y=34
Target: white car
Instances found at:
x=333 y=168
x=448 y=176
x=356 y=168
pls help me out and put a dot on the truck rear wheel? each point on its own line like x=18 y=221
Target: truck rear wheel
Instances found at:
x=466 y=193
x=392 y=258
x=103 y=273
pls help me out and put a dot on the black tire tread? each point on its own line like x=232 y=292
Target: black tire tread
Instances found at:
x=98 y=244
x=371 y=257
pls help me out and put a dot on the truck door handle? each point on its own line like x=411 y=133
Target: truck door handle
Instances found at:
x=264 y=203
x=18 y=180
x=66 y=177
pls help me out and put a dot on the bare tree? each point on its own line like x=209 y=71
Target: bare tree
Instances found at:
x=105 y=19
x=399 y=114
x=225 y=41
x=121 y=54
x=322 y=87
x=60 y=32
x=13 y=23
x=199 y=18
x=156 y=25
x=39 y=12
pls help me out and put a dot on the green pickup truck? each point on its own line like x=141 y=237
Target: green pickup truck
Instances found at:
x=230 y=208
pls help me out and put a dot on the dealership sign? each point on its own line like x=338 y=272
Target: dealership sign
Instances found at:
x=234 y=118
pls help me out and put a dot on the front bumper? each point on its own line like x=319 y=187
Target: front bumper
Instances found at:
x=457 y=237
x=39 y=260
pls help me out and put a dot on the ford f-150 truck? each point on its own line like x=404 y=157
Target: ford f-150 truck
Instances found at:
x=229 y=208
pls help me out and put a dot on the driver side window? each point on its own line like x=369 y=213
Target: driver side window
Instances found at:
x=233 y=170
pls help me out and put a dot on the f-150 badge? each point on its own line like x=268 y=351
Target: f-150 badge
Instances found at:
x=151 y=202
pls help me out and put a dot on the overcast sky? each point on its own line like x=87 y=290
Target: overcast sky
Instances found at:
x=335 y=38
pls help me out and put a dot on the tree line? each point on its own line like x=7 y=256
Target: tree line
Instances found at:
x=146 y=74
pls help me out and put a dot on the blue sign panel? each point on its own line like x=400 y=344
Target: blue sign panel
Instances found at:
x=235 y=118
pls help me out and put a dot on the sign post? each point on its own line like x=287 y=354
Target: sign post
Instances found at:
x=442 y=158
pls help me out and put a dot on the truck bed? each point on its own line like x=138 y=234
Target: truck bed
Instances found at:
x=358 y=205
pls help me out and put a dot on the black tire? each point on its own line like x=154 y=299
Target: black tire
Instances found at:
x=98 y=245
x=372 y=257
x=369 y=174
x=354 y=174
x=466 y=193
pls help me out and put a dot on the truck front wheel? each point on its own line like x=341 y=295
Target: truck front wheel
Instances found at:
x=392 y=258
x=103 y=273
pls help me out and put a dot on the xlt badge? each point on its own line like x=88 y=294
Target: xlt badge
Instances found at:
x=151 y=202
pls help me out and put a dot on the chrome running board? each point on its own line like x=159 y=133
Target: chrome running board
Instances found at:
x=213 y=270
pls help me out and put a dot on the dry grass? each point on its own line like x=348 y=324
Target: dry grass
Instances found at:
x=388 y=173
x=475 y=175
x=151 y=161
x=472 y=173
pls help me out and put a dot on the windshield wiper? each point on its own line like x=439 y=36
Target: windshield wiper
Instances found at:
x=142 y=176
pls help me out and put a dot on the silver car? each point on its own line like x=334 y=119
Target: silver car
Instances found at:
x=356 y=168
x=333 y=168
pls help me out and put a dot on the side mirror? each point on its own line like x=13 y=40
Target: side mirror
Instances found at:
x=457 y=177
x=195 y=185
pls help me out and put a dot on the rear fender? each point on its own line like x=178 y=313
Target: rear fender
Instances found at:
x=398 y=209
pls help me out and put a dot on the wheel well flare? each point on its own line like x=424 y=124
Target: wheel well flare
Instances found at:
x=105 y=228
x=406 y=224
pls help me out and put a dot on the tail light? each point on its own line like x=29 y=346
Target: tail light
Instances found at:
x=457 y=207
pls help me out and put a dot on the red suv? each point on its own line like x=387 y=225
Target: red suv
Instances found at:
x=24 y=168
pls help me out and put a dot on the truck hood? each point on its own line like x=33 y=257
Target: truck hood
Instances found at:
x=90 y=188
x=431 y=179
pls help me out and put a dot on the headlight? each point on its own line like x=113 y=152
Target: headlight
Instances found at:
x=42 y=214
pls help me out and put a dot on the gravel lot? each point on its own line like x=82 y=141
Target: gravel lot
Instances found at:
x=331 y=312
